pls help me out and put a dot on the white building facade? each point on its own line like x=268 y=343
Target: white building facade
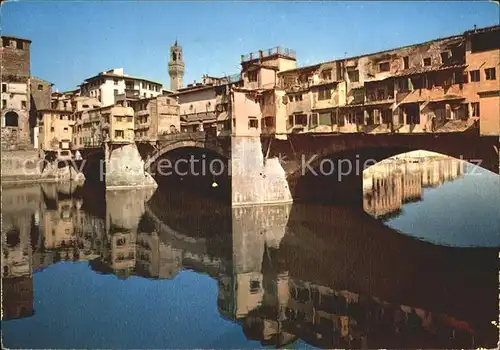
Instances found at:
x=106 y=85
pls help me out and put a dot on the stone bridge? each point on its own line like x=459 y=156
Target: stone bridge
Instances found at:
x=271 y=169
x=153 y=151
x=131 y=164
x=321 y=167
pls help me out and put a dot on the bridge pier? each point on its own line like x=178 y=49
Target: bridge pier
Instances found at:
x=254 y=179
x=124 y=168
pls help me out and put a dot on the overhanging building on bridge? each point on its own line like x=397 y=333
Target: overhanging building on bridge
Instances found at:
x=444 y=85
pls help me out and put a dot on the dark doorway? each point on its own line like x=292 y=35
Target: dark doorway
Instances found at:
x=11 y=119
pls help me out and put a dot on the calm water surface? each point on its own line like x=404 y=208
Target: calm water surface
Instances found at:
x=173 y=269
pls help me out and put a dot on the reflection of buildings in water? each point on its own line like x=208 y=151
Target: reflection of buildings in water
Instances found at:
x=323 y=317
x=125 y=208
x=271 y=305
x=393 y=182
x=119 y=251
x=17 y=297
x=276 y=308
x=155 y=258
x=18 y=207
x=68 y=231
x=255 y=231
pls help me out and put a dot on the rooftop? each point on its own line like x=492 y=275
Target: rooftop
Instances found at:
x=15 y=38
x=42 y=80
x=111 y=73
x=275 y=51
x=458 y=36
x=483 y=30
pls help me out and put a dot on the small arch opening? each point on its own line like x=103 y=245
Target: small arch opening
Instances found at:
x=11 y=119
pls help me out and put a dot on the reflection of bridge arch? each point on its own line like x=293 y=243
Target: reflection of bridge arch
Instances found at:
x=195 y=251
x=183 y=144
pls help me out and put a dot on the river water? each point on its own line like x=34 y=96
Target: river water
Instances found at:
x=415 y=267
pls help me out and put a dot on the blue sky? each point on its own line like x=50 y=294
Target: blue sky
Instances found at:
x=75 y=40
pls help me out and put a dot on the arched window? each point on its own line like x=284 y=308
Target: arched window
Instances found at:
x=11 y=119
x=174 y=56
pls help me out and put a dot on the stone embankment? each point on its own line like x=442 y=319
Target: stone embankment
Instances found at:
x=25 y=166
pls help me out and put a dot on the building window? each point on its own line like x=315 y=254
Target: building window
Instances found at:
x=325 y=118
x=314 y=120
x=253 y=123
x=324 y=93
x=116 y=92
x=427 y=61
x=65 y=129
x=353 y=76
x=490 y=73
x=384 y=67
x=4 y=103
x=116 y=82
x=254 y=286
x=406 y=62
x=19 y=45
x=350 y=118
x=252 y=76
x=119 y=133
x=118 y=119
x=40 y=87
x=298 y=97
x=52 y=129
x=301 y=119
x=129 y=119
x=4 y=87
x=326 y=74
x=269 y=122
x=458 y=77
x=403 y=84
x=23 y=104
x=5 y=42
x=445 y=57
x=474 y=75
x=475 y=109
x=381 y=94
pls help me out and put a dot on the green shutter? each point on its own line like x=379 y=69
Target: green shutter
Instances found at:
x=325 y=118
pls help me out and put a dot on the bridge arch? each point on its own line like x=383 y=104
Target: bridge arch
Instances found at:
x=311 y=176
x=160 y=152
